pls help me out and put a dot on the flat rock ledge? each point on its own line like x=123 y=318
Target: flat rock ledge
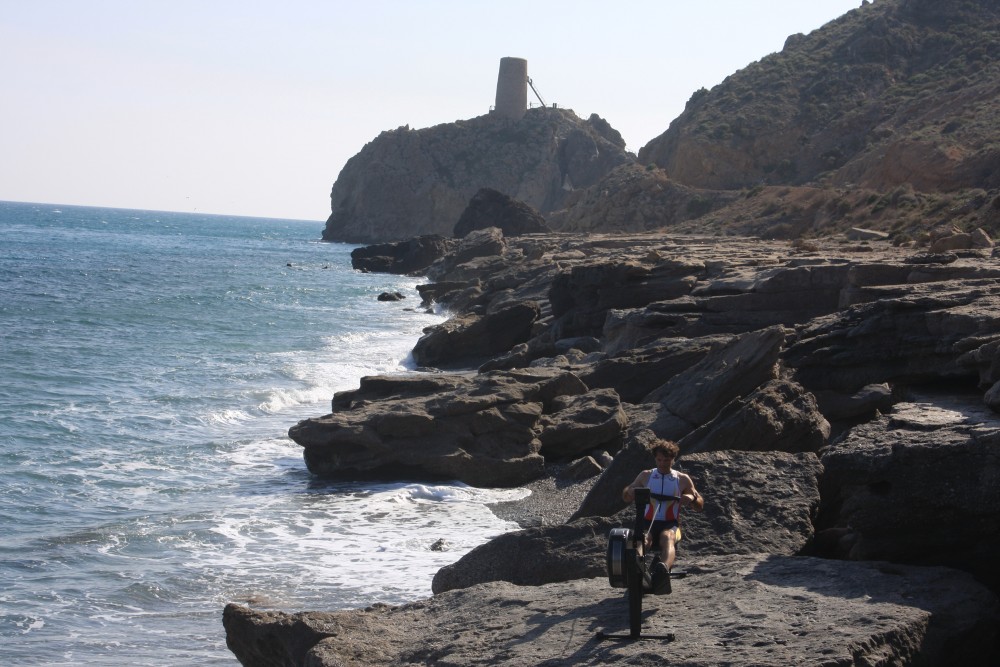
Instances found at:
x=730 y=610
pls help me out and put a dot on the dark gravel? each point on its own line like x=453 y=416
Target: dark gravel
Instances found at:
x=553 y=500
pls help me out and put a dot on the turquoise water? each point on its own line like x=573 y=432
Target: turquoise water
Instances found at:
x=150 y=366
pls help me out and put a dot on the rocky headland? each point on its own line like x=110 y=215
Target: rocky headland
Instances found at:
x=407 y=182
x=796 y=281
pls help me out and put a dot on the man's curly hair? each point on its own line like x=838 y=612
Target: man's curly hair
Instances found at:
x=665 y=447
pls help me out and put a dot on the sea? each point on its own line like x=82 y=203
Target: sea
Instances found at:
x=151 y=364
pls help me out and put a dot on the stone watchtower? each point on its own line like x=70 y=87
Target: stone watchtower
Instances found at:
x=512 y=88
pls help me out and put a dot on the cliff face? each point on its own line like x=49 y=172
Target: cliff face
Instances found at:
x=409 y=182
x=896 y=91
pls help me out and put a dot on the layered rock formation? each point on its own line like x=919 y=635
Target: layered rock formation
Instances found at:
x=755 y=354
x=496 y=429
x=407 y=183
x=927 y=458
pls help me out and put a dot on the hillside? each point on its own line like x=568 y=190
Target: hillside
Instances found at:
x=888 y=117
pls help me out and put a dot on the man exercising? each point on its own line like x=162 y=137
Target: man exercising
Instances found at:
x=663 y=516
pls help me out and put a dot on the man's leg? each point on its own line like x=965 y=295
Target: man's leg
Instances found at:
x=667 y=547
x=661 y=568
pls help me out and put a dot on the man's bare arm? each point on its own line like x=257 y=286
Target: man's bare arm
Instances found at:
x=693 y=499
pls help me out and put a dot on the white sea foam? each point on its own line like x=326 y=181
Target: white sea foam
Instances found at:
x=229 y=416
x=344 y=358
x=129 y=466
x=359 y=545
x=282 y=399
x=30 y=623
x=269 y=453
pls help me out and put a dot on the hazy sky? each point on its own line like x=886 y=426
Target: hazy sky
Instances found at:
x=252 y=107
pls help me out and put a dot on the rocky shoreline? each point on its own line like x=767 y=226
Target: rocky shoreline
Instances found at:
x=733 y=611
x=832 y=399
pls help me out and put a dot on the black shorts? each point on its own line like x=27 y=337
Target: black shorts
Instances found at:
x=657 y=529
